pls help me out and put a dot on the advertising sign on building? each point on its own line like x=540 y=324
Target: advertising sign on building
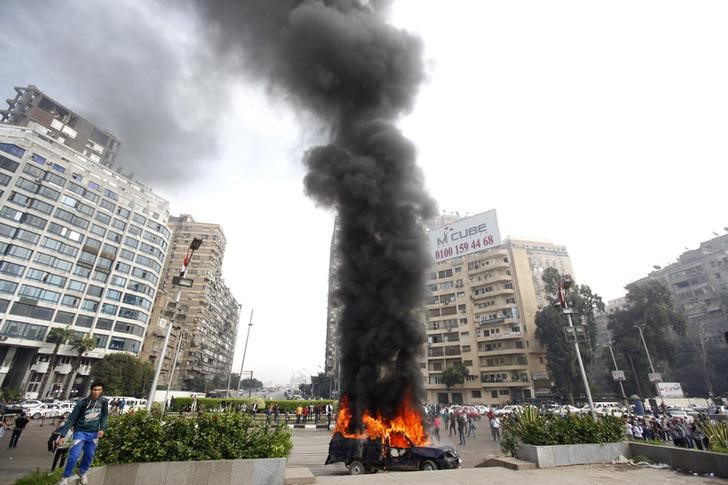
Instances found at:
x=618 y=375
x=465 y=236
x=670 y=389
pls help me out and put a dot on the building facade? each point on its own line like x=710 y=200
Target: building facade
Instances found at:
x=81 y=247
x=207 y=316
x=480 y=312
x=38 y=111
x=331 y=360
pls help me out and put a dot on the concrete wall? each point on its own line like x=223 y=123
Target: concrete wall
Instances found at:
x=581 y=454
x=263 y=471
x=695 y=461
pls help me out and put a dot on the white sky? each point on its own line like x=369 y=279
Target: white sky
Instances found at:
x=597 y=125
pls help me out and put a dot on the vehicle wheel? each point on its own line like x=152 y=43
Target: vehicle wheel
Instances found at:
x=428 y=465
x=356 y=468
x=36 y=416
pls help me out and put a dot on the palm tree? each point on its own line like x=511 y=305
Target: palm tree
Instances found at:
x=59 y=335
x=81 y=345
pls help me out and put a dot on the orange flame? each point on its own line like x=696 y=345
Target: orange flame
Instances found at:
x=407 y=424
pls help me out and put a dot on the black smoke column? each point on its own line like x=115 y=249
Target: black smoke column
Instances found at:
x=340 y=60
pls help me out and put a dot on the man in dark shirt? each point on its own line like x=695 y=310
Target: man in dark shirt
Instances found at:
x=20 y=423
x=89 y=419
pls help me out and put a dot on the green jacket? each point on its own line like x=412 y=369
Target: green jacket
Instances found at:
x=88 y=415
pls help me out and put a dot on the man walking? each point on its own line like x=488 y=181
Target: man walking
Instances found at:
x=20 y=423
x=88 y=419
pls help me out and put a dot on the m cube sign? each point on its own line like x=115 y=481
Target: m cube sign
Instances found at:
x=465 y=236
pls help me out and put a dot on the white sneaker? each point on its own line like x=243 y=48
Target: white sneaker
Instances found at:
x=83 y=479
x=64 y=481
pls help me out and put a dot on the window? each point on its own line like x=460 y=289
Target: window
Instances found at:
x=476 y=394
x=98 y=230
x=94 y=290
x=144 y=275
x=71 y=218
x=18 y=252
x=134 y=230
x=39 y=293
x=82 y=271
x=48 y=278
x=101 y=340
x=102 y=218
x=109 y=250
x=104 y=324
x=119 y=224
x=138 y=218
x=7 y=164
x=12 y=149
x=57 y=245
x=109 y=206
x=113 y=295
x=123 y=213
x=114 y=236
x=64 y=317
x=110 y=194
x=100 y=276
x=74 y=285
x=104 y=263
x=127 y=345
x=31 y=310
x=4 y=179
x=84 y=321
x=89 y=305
x=34 y=171
x=133 y=314
x=118 y=281
x=126 y=254
x=129 y=328
x=8 y=287
x=70 y=301
x=122 y=267
x=494 y=394
x=10 y=213
x=22 y=330
x=131 y=242
x=504 y=392
x=55 y=179
x=65 y=232
x=141 y=288
x=19 y=199
x=58 y=168
x=137 y=301
x=11 y=269
x=41 y=206
x=144 y=261
x=109 y=309
x=93 y=186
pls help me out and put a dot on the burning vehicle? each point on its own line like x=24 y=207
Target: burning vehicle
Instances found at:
x=385 y=444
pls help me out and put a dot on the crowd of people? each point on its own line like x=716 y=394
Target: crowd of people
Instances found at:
x=458 y=422
x=667 y=429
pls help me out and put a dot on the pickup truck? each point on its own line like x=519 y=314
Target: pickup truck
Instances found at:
x=369 y=456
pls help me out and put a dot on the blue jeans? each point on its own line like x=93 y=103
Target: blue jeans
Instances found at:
x=81 y=440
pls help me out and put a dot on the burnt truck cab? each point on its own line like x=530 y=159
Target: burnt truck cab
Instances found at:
x=369 y=456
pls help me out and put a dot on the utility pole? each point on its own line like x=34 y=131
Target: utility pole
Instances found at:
x=621 y=386
x=181 y=282
x=245 y=351
x=649 y=359
x=230 y=375
x=565 y=284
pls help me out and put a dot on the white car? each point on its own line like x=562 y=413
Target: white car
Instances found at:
x=65 y=408
x=682 y=415
x=565 y=409
x=508 y=410
x=46 y=410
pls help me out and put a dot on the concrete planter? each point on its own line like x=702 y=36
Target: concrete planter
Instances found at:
x=263 y=471
x=696 y=461
x=563 y=455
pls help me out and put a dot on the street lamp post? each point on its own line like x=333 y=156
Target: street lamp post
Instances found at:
x=568 y=311
x=230 y=375
x=179 y=281
x=621 y=386
x=649 y=359
x=174 y=366
x=245 y=351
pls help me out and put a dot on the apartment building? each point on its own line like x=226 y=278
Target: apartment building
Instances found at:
x=32 y=108
x=331 y=359
x=480 y=312
x=81 y=247
x=207 y=316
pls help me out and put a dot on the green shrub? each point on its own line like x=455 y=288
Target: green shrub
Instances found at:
x=145 y=437
x=717 y=434
x=531 y=427
x=41 y=478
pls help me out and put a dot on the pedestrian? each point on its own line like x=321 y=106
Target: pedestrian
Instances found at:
x=305 y=414
x=461 y=429
x=453 y=424
x=436 y=423
x=55 y=435
x=637 y=430
x=88 y=419
x=299 y=413
x=20 y=423
x=495 y=427
x=471 y=426
x=121 y=405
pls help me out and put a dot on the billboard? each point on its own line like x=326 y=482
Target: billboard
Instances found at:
x=465 y=236
x=670 y=389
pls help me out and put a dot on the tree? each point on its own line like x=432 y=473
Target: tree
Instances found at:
x=60 y=336
x=123 y=375
x=198 y=383
x=561 y=357
x=251 y=384
x=81 y=345
x=321 y=385
x=454 y=375
x=650 y=306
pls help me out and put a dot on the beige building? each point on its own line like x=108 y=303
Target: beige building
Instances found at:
x=480 y=311
x=207 y=315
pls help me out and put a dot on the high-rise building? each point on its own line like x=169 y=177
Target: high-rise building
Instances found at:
x=331 y=361
x=34 y=109
x=207 y=314
x=81 y=247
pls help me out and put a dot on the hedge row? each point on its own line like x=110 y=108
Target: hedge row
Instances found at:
x=145 y=437
x=212 y=404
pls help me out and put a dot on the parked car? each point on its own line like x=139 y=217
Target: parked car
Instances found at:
x=508 y=410
x=369 y=456
x=8 y=409
x=681 y=414
x=65 y=408
x=46 y=410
